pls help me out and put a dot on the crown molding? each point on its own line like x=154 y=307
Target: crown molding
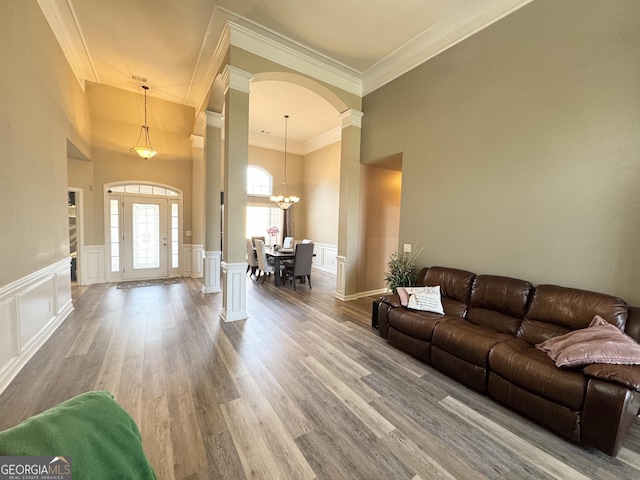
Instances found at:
x=332 y=136
x=226 y=28
x=271 y=143
x=270 y=45
x=210 y=59
x=432 y=42
x=63 y=22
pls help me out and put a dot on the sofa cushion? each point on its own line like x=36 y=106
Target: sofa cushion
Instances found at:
x=522 y=364
x=414 y=322
x=466 y=340
x=557 y=310
x=601 y=342
x=455 y=287
x=499 y=303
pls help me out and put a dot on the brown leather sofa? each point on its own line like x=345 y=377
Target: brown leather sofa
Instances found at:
x=487 y=340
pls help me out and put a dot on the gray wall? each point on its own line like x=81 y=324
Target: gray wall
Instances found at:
x=521 y=147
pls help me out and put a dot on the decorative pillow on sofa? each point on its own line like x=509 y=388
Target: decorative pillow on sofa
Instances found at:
x=600 y=342
x=426 y=299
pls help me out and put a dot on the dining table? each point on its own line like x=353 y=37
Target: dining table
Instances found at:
x=278 y=257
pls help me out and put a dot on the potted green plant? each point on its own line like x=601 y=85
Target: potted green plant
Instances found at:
x=402 y=269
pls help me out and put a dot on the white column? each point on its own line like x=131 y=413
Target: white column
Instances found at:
x=211 y=267
x=213 y=186
x=234 y=300
x=236 y=159
x=349 y=209
x=197 y=202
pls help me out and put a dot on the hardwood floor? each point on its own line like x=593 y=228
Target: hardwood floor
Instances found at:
x=303 y=389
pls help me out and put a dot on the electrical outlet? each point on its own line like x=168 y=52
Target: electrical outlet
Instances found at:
x=188 y=233
x=407 y=248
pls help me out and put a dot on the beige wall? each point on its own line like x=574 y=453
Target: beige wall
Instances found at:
x=80 y=175
x=322 y=194
x=41 y=107
x=380 y=222
x=315 y=178
x=521 y=147
x=116 y=116
x=272 y=161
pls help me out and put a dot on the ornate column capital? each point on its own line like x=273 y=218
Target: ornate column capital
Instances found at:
x=237 y=79
x=351 y=117
x=197 y=141
x=214 y=119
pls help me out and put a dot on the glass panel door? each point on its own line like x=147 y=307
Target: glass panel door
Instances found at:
x=145 y=238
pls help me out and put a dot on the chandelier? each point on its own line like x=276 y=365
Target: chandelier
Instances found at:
x=283 y=200
x=145 y=150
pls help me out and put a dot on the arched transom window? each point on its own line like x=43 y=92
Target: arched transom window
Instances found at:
x=259 y=182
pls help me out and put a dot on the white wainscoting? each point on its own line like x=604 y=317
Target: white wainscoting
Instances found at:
x=325 y=258
x=192 y=256
x=93 y=265
x=31 y=308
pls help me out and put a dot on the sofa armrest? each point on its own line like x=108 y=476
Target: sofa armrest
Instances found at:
x=393 y=300
x=632 y=327
x=387 y=303
x=608 y=414
x=626 y=375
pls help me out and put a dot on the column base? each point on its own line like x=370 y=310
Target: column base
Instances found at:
x=234 y=299
x=211 y=268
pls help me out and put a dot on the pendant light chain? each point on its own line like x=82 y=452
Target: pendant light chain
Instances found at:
x=146 y=151
x=286 y=128
x=283 y=200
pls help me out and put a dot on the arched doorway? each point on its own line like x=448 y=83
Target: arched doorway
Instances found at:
x=313 y=153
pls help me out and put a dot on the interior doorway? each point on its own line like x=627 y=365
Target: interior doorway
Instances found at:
x=76 y=234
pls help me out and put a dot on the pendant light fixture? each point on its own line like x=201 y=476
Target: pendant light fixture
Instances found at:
x=283 y=200
x=145 y=150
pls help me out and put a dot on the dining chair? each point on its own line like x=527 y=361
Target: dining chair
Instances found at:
x=287 y=242
x=301 y=267
x=264 y=266
x=252 y=258
x=253 y=240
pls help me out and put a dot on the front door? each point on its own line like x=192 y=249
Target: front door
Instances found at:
x=146 y=238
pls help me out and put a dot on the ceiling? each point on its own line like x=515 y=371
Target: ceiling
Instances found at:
x=170 y=45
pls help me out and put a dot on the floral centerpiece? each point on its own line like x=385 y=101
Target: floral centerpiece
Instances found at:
x=402 y=269
x=273 y=234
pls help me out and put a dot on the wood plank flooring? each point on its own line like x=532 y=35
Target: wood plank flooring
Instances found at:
x=303 y=389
